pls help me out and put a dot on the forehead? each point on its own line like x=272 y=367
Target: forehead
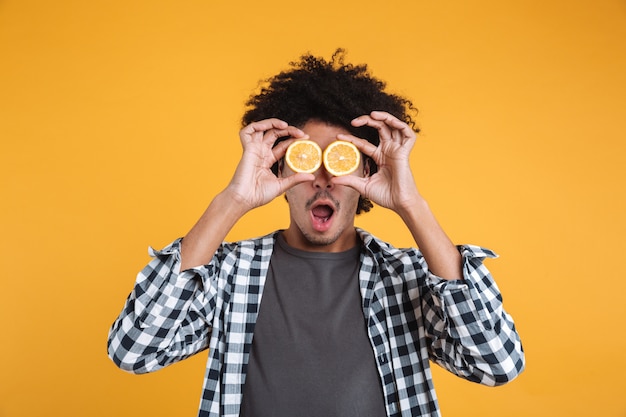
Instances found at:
x=322 y=133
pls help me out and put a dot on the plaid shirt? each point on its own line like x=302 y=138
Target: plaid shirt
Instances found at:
x=412 y=317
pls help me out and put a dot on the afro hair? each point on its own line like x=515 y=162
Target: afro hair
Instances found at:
x=329 y=91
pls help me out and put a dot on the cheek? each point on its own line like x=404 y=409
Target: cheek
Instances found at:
x=292 y=196
x=351 y=199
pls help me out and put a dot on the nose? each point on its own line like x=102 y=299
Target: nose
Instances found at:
x=323 y=179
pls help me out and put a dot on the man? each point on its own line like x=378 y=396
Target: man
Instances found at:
x=320 y=319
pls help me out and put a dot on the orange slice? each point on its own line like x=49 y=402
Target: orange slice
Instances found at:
x=304 y=156
x=341 y=158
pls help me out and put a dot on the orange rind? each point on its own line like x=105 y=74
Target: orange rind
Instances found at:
x=304 y=156
x=341 y=158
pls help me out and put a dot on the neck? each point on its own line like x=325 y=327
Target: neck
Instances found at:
x=321 y=243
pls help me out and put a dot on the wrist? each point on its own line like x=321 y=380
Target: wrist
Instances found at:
x=232 y=202
x=412 y=207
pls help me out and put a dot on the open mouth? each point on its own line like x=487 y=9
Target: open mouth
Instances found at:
x=321 y=215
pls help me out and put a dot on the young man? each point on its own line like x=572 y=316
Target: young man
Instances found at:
x=320 y=319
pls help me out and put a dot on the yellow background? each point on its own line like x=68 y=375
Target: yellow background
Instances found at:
x=119 y=121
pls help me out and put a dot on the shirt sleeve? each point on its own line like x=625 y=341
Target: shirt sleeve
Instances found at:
x=166 y=317
x=470 y=333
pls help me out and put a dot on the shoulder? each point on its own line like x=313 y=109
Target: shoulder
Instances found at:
x=385 y=253
x=377 y=245
x=260 y=242
x=249 y=249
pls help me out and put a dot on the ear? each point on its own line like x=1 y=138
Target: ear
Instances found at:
x=367 y=168
x=281 y=166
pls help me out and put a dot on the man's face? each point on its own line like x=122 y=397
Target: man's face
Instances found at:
x=321 y=213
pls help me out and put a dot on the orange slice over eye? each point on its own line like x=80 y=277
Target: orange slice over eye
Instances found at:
x=304 y=156
x=341 y=158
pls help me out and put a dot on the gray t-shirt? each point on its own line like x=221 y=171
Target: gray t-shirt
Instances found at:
x=311 y=355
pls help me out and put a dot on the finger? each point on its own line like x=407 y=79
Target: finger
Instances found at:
x=256 y=130
x=362 y=145
x=384 y=122
x=384 y=132
x=381 y=116
x=263 y=125
x=406 y=132
x=388 y=118
x=272 y=135
x=280 y=150
x=352 y=181
x=294 y=179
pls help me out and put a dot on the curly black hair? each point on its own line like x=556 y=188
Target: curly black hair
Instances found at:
x=329 y=91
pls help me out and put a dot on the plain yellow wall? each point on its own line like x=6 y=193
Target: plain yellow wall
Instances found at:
x=119 y=121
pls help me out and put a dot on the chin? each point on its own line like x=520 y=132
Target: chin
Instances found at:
x=321 y=241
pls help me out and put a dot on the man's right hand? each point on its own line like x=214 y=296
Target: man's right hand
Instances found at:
x=254 y=184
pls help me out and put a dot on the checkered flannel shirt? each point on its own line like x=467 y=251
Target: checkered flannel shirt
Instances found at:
x=412 y=317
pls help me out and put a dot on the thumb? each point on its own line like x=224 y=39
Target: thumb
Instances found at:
x=357 y=183
x=295 y=179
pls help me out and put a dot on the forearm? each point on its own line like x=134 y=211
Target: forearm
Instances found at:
x=158 y=326
x=200 y=244
x=442 y=256
x=137 y=344
x=496 y=361
x=472 y=335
